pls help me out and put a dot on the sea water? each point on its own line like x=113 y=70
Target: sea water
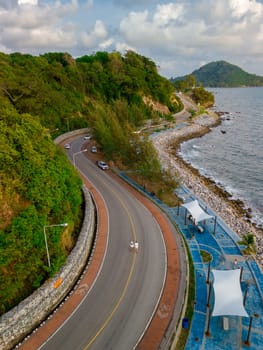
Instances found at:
x=232 y=153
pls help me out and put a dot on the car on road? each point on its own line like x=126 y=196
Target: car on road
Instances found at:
x=87 y=137
x=102 y=165
x=67 y=146
x=93 y=149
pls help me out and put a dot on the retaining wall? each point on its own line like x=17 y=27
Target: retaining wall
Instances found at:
x=70 y=134
x=26 y=316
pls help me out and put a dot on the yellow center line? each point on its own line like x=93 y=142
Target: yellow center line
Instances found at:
x=127 y=281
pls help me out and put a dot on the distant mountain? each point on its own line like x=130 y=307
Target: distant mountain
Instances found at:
x=223 y=74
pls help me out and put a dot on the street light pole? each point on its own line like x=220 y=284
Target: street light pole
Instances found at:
x=45 y=236
x=75 y=154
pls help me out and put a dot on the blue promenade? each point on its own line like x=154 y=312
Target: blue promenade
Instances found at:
x=222 y=243
x=206 y=331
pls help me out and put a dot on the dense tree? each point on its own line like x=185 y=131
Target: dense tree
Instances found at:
x=202 y=96
x=38 y=187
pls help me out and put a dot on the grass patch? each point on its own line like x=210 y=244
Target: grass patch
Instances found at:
x=162 y=190
x=180 y=345
x=206 y=257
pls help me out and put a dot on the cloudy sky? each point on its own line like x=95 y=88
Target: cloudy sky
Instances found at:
x=179 y=36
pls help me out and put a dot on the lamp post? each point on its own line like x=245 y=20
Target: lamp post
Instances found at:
x=209 y=294
x=207 y=333
x=44 y=229
x=208 y=273
x=247 y=341
x=75 y=154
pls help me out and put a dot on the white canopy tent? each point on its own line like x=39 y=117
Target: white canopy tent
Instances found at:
x=228 y=293
x=198 y=214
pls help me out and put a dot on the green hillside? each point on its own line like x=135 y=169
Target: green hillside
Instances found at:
x=40 y=98
x=223 y=74
x=38 y=187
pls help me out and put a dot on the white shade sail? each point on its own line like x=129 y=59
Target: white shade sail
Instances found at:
x=228 y=293
x=198 y=214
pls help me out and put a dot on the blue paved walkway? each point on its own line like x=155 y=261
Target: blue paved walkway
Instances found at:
x=221 y=243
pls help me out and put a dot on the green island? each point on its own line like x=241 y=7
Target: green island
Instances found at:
x=221 y=74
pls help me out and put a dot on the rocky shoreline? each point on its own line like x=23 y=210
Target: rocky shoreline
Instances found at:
x=231 y=211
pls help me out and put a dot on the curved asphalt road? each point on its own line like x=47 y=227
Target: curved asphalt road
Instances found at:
x=119 y=307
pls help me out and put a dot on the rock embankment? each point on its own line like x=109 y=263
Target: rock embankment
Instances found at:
x=230 y=211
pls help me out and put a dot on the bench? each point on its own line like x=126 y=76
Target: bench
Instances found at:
x=225 y=323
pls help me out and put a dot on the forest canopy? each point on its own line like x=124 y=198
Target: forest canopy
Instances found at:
x=40 y=98
x=38 y=187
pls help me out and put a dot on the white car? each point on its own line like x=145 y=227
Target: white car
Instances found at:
x=87 y=137
x=102 y=165
x=93 y=149
x=67 y=146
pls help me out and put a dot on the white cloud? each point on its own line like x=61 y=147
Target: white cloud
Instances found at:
x=169 y=13
x=42 y=38
x=27 y=2
x=132 y=2
x=122 y=47
x=106 y=44
x=89 y=3
x=31 y=27
x=94 y=38
x=244 y=7
x=179 y=32
x=197 y=30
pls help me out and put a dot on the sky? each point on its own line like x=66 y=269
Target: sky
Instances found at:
x=179 y=36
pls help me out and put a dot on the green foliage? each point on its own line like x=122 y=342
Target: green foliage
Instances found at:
x=202 y=96
x=148 y=164
x=184 y=84
x=111 y=76
x=59 y=89
x=248 y=240
x=38 y=187
x=206 y=256
x=48 y=86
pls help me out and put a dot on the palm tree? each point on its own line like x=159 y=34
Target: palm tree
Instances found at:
x=249 y=241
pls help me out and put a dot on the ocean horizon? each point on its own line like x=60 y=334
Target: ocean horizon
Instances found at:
x=232 y=153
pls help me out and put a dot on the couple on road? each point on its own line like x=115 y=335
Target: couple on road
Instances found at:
x=134 y=245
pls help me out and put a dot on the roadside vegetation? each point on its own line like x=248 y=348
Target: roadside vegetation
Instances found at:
x=206 y=257
x=38 y=187
x=41 y=97
x=195 y=91
x=180 y=345
x=248 y=242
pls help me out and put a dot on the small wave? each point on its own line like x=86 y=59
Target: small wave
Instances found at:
x=256 y=218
